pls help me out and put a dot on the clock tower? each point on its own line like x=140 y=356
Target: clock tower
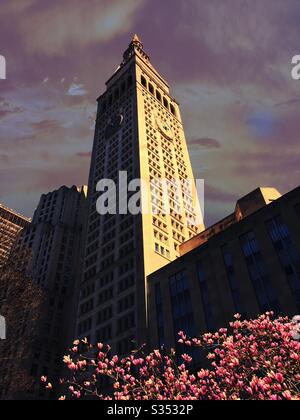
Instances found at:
x=138 y=131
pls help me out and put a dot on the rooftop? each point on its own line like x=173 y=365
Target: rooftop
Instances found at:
x=14 y=213
x=245 y=206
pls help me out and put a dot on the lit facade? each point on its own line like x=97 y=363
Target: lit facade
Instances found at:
x=11 y=224
x=138 y=130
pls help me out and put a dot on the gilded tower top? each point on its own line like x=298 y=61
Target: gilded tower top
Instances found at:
x=135 y=47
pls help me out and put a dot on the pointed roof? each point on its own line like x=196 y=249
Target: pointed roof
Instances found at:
x=136 y=38
x=135 y=47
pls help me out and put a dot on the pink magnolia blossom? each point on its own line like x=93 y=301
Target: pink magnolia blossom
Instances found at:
x=251 y=360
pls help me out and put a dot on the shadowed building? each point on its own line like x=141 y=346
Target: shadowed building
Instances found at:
x=54 y=239
x=138 y=130
x=11 y=224
x=248 y=263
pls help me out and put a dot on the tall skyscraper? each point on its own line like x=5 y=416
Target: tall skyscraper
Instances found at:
x=55 y=240
x=11 y=224
x=139 y=131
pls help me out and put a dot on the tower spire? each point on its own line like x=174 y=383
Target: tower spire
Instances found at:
x=135 y=48
x=136 y=38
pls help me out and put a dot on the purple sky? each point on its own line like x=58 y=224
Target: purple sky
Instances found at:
x=228 y=63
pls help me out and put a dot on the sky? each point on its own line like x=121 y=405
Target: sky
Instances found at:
x=228 y=63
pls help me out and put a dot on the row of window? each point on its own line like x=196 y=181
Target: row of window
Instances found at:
x=162 y=99
x=267 y=296
x=117 y=93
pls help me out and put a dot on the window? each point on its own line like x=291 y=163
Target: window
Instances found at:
x=287 y=252
x=159 y=315
x=151 y=89
x=125 y=323
x=144 y=81
x=104 y=334
x=259 y=276
x=172 y=108
x=183 y=317
x=158 y=96
x=166 y=103
x=210 y=322
x=233 y=282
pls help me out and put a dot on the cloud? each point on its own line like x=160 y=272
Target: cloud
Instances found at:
x=85 y=155
x=16 y=6
x=262 y=123
x=45 y=125
x=8 y=109
x=217 y=194
x=59 y=25
x=77 y=90
x=229 y=71
x=205 y=143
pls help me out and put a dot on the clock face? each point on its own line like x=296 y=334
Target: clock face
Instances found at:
x=164 y=128
x=113 y=125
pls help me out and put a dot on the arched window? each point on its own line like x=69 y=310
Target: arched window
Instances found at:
x=144 y=81
x=173 y=109
x=151 y=89
x=166 y=103
x=158 y=95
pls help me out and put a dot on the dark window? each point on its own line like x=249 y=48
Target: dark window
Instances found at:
x=232 y=279
x=173 y=110
x=261 y=282
x=210 y=322
x=151 y=89
x=166 y=103
x=183 y=316
x=159 y=315
x=287 y=252
x=158 y=95
x=143 y=81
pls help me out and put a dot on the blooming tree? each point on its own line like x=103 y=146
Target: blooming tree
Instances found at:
x=251 y=360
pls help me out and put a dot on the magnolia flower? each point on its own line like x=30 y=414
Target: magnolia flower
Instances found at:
x=254 y=359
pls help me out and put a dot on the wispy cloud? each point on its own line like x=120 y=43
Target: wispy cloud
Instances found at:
x=77 y=90
x=206 y=143
x=59 y=25
x=229 y=71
